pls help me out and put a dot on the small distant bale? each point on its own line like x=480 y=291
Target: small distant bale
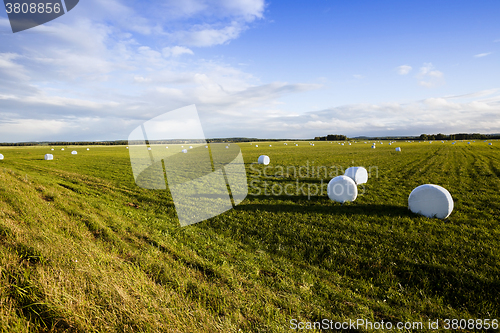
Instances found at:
x=373 y=146
x=398 y=148
x=127 y=147
x=489 y=144
x=342 y=189
x=264 y=159
x=206 y=146
x=190 y=147
x=257 y=146
x=1 y=157
x=62 y=148
x=431 y=201
x=74 y=152
x=49 y=157
x=52 y=149
x=88 y=148
x=184 y=151
x=358 y=174
x=270 y=145
x=166 y=147
x=149 y=148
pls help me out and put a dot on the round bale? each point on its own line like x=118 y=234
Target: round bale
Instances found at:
x=398 y=148
x=358 y=174
x=49 y=157
x=184 y=151
x=264 y=159
x=342 y=189
x=431 y=201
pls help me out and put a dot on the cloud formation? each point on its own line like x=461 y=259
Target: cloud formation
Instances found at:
x=404 y=69
x=480 y=55
x=429 y=77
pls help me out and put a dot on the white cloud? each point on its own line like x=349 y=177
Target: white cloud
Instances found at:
x=207 y=35
x=176 y=51
x=429 y=77
x=404 y=69
x=480 y=55
x=358 y=76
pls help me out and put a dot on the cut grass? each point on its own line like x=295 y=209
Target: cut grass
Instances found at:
x=82 y=248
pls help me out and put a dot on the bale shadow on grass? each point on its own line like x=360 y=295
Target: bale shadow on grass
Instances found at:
x=347 y=209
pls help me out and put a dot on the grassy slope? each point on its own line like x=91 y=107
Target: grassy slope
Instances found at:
x=75 y=256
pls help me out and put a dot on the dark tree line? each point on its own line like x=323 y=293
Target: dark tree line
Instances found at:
x=331 y=137
x=459 y=136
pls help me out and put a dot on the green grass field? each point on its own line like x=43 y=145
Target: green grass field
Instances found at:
x=83 y=249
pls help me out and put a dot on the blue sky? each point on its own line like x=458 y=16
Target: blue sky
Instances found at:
x=254 y=68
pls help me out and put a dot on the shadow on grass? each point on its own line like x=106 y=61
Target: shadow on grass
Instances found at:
x=300 y=205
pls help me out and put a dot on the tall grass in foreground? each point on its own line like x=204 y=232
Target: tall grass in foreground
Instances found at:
x=82 y=249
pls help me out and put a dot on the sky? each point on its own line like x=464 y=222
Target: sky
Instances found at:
x=254 y=68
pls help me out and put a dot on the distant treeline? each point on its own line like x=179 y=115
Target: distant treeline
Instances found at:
x=126 y=142
x=460 y=136
x=66 y=143
x=331 y=137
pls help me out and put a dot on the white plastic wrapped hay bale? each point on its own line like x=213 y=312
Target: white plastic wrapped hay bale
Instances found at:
x=62 y=148
x=74 y=152
x=358 y=174
x=49 y=157
x=264 y=159
x=342 y=189
x=257 y=146
x=184 y=151
x=52 y=149
x=431 y=201
x=398 y=148
x=373 y=146
x=190 y=147
x=490 y=144
x=1 y=157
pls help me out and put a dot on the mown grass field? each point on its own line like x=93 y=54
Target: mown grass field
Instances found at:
x=83 y=249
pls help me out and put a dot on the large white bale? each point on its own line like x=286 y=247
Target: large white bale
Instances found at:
x=431 y=201
x=358 y=174
x=264 y=159
x=74 y=152
x=398 y=148
x=1 y=157
x=342 y=189
x=49 y=157
x=184 y=151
